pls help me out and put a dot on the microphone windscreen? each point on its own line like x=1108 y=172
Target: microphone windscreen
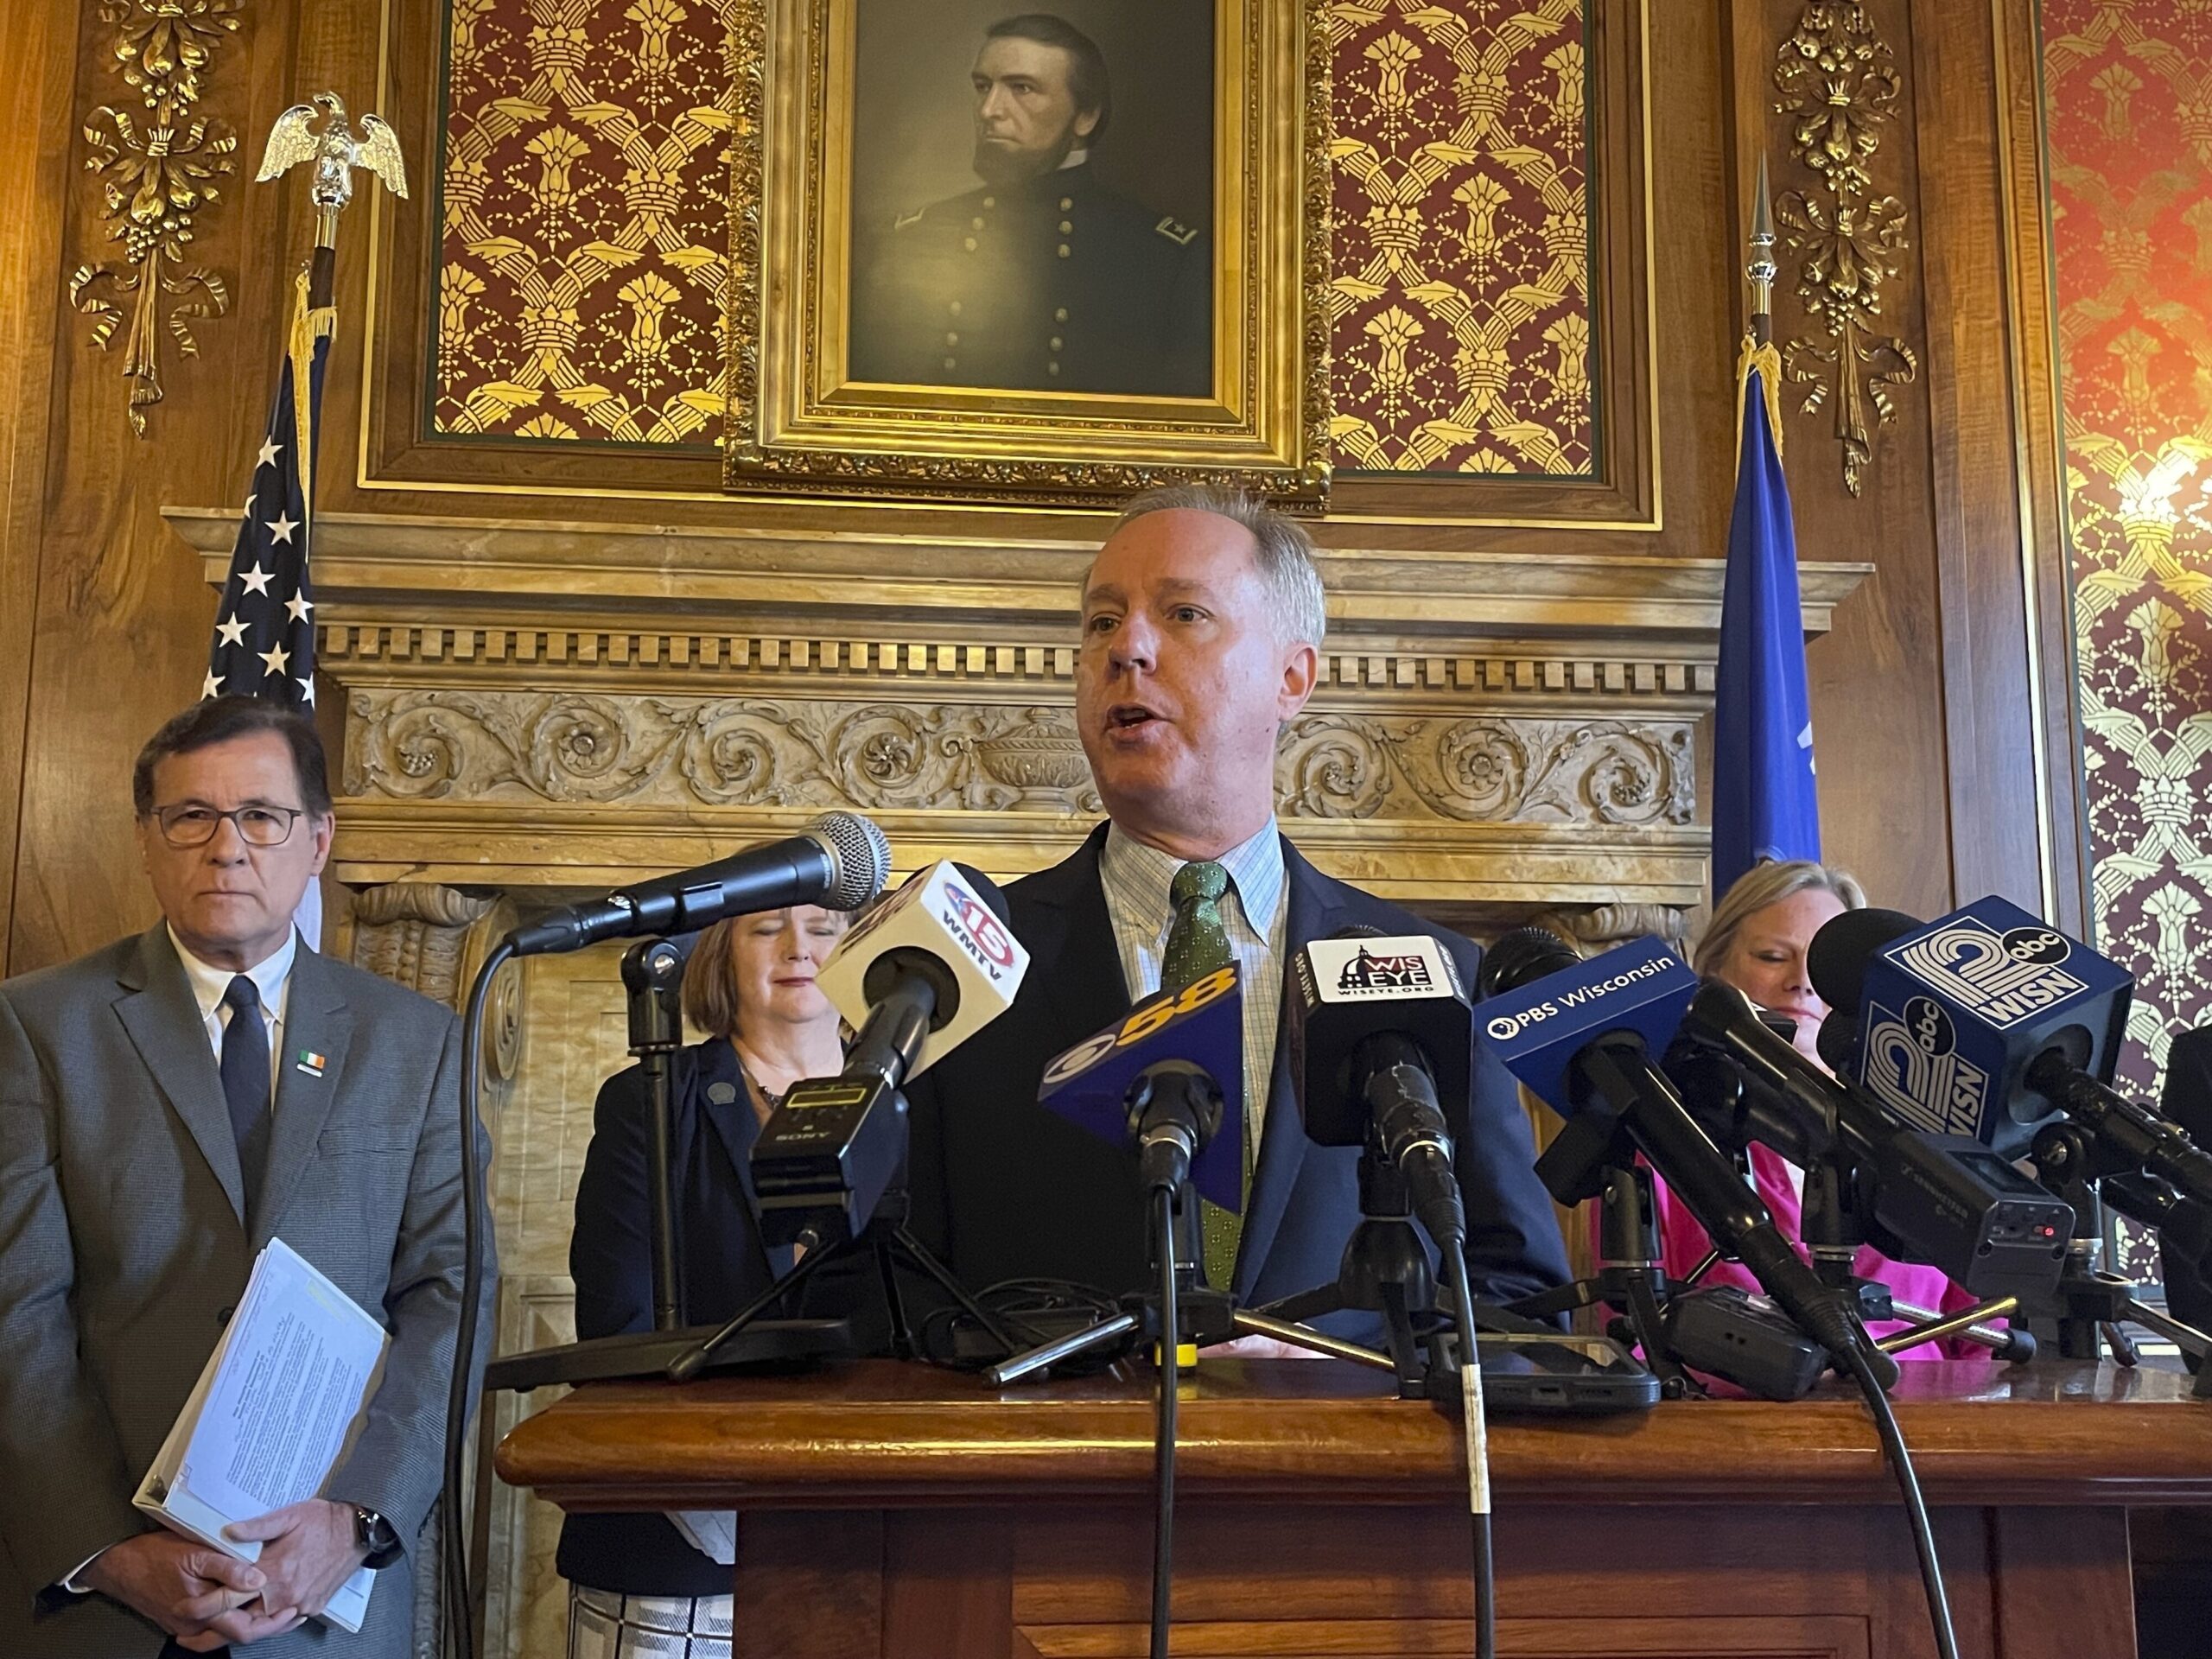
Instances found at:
x=1838 y=957
x=862 y=853
x=1521 y=958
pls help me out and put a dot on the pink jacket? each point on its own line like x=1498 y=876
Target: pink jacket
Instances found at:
x=1683 y=1244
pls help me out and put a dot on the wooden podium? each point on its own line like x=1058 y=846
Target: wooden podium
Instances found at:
x=904 y=1513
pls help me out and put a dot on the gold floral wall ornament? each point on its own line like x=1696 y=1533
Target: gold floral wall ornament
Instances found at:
x=1839 y=88
x=160 y=166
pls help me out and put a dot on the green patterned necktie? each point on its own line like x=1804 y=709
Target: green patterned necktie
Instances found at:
x=1198 y=944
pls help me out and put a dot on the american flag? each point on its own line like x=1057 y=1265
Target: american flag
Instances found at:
x=264 y=628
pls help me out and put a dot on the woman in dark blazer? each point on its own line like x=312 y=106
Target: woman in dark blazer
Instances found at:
x=640 y=1584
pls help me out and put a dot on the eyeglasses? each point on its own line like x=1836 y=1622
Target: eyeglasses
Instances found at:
x=192 y=825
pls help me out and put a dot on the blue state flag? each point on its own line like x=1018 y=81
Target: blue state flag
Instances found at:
x=1764 y=802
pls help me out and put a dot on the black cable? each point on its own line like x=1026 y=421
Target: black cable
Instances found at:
x=1471 y=1383
x=1923 y=1537
x=460 y=1616
x=1163 y=1533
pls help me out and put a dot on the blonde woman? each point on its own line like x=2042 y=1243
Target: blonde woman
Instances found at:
x=1757 y=941
x=638 y=1585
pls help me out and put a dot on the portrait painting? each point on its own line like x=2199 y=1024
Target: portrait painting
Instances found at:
x=1033 y=195
x=1062 y=253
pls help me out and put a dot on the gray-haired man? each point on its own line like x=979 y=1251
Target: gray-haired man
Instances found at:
x=1202 y=621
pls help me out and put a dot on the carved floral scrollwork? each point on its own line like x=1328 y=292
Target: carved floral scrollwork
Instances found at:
x=726 y=752
x=1838 y=87
x=1493 y=769
x=1333 y=766
x=158 y=170
x=759 y=751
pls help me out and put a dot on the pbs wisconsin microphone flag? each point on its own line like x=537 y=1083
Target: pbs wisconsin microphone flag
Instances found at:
x=1764 y=802
x=264 y=627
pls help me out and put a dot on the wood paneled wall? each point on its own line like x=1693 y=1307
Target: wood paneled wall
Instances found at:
x=1928 y=707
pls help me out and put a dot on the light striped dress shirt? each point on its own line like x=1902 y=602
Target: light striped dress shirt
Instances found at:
x=1137 y=877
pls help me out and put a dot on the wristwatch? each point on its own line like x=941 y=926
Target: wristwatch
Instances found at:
x=375 y=1535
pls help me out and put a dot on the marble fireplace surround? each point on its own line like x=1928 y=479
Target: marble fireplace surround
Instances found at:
x=532 y=710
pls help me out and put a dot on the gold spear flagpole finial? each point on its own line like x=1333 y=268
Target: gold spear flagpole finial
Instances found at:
x=1760 y=354
x=1761 y=268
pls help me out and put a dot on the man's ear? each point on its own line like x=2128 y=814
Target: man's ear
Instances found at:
x=1086 y=123
x=1301 y=667
x=325 y=826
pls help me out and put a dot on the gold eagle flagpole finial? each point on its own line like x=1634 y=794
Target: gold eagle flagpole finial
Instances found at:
x=336 y=150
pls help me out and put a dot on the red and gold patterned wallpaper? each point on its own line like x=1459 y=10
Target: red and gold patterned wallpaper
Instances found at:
x=581 y=269
x=2128 y=90
x=583 y=188
x=1461 y=325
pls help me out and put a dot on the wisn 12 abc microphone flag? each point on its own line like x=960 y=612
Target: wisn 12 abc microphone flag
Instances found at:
x=1765 y=804
x=264 y=627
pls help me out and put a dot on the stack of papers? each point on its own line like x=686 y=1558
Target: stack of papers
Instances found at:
x=283 y=1396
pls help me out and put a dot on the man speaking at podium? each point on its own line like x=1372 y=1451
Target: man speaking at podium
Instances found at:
x=1202 y=623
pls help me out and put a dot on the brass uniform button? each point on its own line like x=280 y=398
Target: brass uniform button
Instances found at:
x=990 y=201
x=1064 y=249
x=951 y=362
x=1060 y=316
x=1066 y=226
x=955 y=307
x=978 y=221
x=1052 y=368
x=969 y=243
x=1066 y=202
x=952 y=339
x=1056 y=342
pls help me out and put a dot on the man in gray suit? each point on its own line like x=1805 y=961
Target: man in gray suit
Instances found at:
x=168 y=1105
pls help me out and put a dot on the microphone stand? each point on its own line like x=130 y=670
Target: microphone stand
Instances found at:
x=652 y=975
x=885 y=1238
x=1385 y=1269
x=1174 y=1111
x=652 y=978
x=2086 y=1171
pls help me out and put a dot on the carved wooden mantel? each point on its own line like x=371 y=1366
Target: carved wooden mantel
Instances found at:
x=540 y=706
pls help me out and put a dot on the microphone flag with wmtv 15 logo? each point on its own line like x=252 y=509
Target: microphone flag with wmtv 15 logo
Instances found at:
x=1537 y=1030
x=1952 y=1013
x=1202 y=1025
x=939 y=912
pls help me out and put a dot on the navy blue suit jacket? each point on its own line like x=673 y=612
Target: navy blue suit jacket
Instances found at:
x=726 y=1265
x=1006 y=1190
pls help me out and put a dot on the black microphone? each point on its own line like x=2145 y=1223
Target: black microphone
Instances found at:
x=840 y=862
x=1943 y=1199
x=1581 y=1035
x=1379 y=1035
x=1989 y=1017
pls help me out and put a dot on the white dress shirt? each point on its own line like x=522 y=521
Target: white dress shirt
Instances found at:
x=272 y=979
x=1138 y=879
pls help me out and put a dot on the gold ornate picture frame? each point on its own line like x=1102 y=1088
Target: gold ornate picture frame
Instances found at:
x=799 y=422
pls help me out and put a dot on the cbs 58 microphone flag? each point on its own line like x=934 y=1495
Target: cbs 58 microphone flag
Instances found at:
x=1765 y=804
